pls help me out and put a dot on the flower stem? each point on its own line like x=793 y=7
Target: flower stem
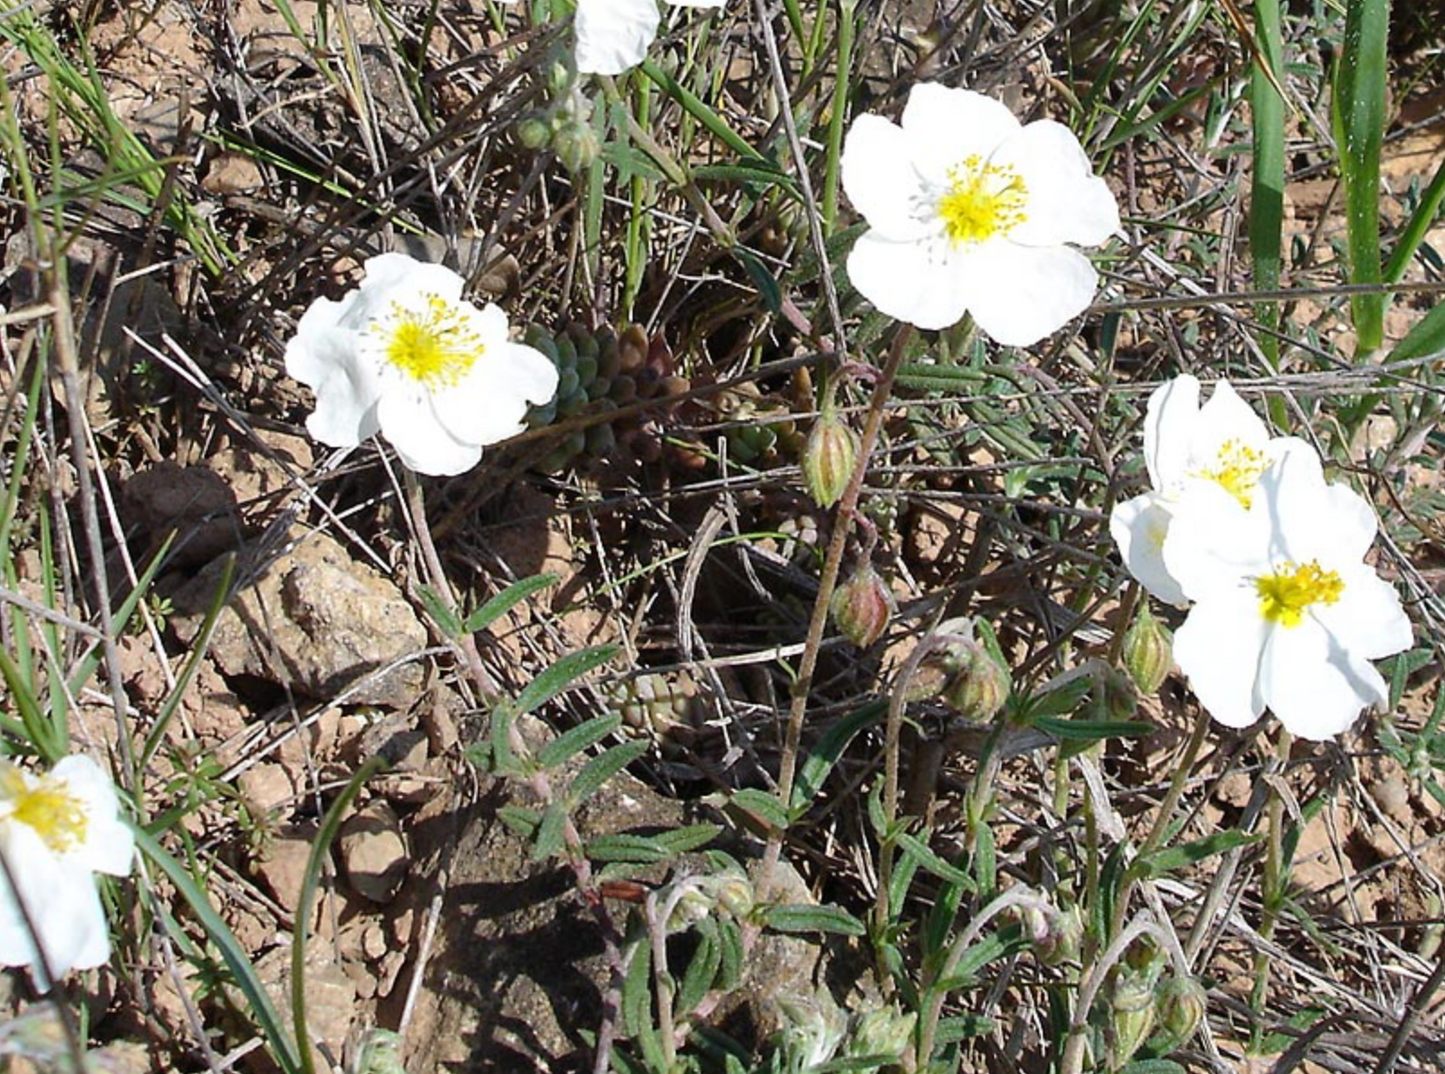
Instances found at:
x=843 y=519
x=1276 y=875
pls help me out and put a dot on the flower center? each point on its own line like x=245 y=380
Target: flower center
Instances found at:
x=1238 y=470
x=56 y=815
x=1284 y=596
x=435 y=345
x=983 y=200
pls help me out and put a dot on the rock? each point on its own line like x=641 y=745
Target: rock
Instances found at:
x=260 y=471
x=266 y=788
x=314 y=620
x=330 y=998
x=231 y=173
x=190 y=501
x=282 y=864
x=373 y=852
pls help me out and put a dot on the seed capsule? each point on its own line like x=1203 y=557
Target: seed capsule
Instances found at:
x=862 y=606
x=1148 y=651
x=828 y=459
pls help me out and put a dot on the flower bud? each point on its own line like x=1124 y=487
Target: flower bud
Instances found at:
x=576 y=146
x=735 y=895
x=829 y=458
x=694 y=905
x=1148 y=651
x=862 y=606
x=1182 y=1004
x=980 y=686
x=1064 y=938
x=534 y=132
x=886 y=1031
x=1131 y=1017
x=1115 y=696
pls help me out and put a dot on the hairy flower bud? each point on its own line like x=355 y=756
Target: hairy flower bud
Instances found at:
x=1131 y=1016
x=1064 y=938
x=829 y=458
x=576 y=145
x=1182 y=1004
x=1115 y=696
x=862 y=606
x=534 y=132
x=980 y=685
x=735 y=895
x=886 y=1031
x=1148 y=651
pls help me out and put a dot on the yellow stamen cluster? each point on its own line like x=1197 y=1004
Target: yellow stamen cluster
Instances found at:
x=436 y=345
x=983 y=200
x=1284 y=596
x=56 y=815
x=1238 y=470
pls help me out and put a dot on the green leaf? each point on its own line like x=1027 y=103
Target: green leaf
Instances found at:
x=637 y=991
x=814 y=770
x=993 y=946
x=310 y=880
x=762 y=279
x=701 y=971
x=258 y=1000
x=631 y=162
x=730 y=953
x=1358 y=107
x=1417 y=226
x=549 y=832
x=1163 y=862
x=562 y=748
x=622 y=846
x=932 y=862
x=1160 y=1066
x=560 y=676
x=440 y=611
x=1266 y=207
x=601 y=768
x=505 y=601
x=797 y=917
x=1426 y=339
x=962 y=1027
x=504 y=761
x=1091 y=730
x=521 y=820
x=762 y=805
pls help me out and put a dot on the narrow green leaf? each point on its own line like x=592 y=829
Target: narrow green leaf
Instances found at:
x=258 y=1001
x=763 y=279
x=562 y=748
x=1163 y=862
x=702 y=969
x=730 y=953
x=1162 y=1066
x=795 y=917
x=521 y=820
x=962 y=1027
x=1091 y=730
x=505 y=601
x=813 y=772
x=320 y=852
x=932 y=862
x=504 y=761
x=622 y=846
x=549 y=832
x=440 y=611
x=601 y=768
x=1426 y=339
x=560 y=676
x=637 y=991
x=37 y=727
x=762 y=805
x=1419 y=224
x=1266 y=206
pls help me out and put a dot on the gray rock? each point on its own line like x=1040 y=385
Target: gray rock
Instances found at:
x=373 y=852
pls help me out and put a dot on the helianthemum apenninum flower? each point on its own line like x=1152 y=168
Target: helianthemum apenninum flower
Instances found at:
x=56 y=832
x=1287 y=615
x=1222 y=443
x=971 y=212
x=406 y=356
x=613 y=35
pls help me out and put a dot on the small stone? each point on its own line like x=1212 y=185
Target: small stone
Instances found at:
x=373 y=941
x=373 y=852
x=266 y=788
x=282 y=864
x=231 y=173
x=1392 y=795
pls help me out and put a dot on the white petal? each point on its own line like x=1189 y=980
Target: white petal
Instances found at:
x=697 y=3
x=1020 y=294
x=1223 y=418
x=946 y=126
x=1368 y=620
x=917 y=282
x=1066 y=201
x=411 y=425
x=63 y=906
x=1315 y=689
x=1294 y=498
x=1218 y=647
x=108 y=846
x=1168 y=424
x=881 y=182
x=392 y=279
x=613 y=35
x=345 y=382
x=1214 y=545
x=1139 y=527
x=491 y=404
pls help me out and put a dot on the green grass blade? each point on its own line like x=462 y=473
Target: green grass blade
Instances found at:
x=698 y=108
x=1359 y=127
x=232 y=953
x=1266 y=207
x=1416 y=227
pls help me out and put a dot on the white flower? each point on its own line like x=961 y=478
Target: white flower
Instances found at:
x=1287 y=615
x=613 y=35
x=1222 y=444
x=969 y=212
x=405 y=355
x=56 y=831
